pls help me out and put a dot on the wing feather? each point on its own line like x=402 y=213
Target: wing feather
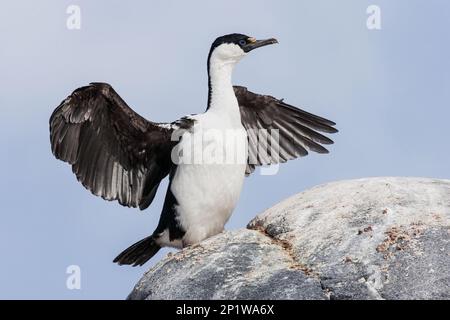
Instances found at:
x=114 y=152
x=298 y=130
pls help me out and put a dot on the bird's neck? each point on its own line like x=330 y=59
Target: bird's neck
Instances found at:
x=221 y=95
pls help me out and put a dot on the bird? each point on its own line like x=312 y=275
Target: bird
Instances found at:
x=120 y=156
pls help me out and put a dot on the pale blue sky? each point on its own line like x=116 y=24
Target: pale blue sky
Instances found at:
x=388 y=91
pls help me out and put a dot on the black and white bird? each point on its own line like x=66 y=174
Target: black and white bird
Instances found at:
x=118 y=155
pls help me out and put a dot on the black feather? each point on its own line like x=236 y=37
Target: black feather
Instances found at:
x=114 y=152
x=297 y=128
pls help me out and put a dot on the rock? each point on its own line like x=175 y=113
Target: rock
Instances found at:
x=376 y=238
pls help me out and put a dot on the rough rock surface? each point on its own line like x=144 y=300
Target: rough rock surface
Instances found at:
x=376 y=238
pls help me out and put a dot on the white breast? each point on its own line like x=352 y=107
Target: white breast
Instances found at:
x=207 y=193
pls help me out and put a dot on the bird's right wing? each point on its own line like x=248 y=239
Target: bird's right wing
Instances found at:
x=114 y=152
x=298 y=130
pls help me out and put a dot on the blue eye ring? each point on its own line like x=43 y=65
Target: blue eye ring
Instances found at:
x=242 y=42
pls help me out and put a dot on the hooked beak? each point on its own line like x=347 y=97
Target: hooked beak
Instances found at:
x=253 y=43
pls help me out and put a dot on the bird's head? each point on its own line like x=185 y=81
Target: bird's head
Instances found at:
x=233 y=47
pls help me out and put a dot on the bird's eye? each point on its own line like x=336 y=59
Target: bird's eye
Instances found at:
x=242 y=42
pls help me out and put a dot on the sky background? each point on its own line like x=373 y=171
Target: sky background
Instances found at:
x=388 y=91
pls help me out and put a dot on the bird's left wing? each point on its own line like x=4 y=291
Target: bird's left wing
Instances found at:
x=297 y=131
x=114 y=152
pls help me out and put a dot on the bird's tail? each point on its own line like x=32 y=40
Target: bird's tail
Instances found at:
x=139 y=253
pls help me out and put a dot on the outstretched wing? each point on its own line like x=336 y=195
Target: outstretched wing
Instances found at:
x=297 y=129
x=114 y=152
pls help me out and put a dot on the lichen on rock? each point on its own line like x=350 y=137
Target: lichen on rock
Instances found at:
x=375 y=238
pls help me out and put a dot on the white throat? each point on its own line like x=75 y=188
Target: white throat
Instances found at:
x=221 y=66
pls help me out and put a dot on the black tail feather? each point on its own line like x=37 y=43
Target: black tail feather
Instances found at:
x=139 y=253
